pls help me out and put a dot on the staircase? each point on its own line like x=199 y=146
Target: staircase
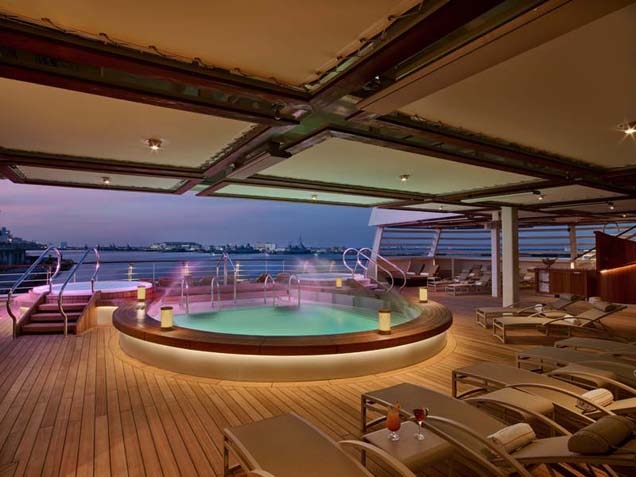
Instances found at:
x=46 y=318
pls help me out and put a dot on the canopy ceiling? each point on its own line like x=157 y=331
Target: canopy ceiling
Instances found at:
x=457 y=107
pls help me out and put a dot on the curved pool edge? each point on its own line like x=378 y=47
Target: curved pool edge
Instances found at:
x=271 y=368
x=131 y=321
x=285 y=358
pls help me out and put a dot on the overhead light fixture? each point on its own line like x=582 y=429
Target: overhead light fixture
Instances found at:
x=405 y=177
x=539 y=195
x=610 y=205
x=154 y=143
x=314 y=196
x=106 y=180
x=628 y=128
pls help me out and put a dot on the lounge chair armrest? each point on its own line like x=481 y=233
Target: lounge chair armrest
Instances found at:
x=563 y=391
x=618 y=354
x=387 y=458
x=429 y=423
x=259 y=473
x=540 y=417
x=566 y=372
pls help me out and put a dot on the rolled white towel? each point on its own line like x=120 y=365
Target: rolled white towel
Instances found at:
x=600 y=396
x=513 y=437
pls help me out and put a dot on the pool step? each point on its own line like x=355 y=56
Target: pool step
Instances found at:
x=67 y=307
x=54 y=317
x=32 y=328
x=46 y=318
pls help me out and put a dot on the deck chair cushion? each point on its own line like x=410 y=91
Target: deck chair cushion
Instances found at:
x=513 y=437
x=603 y=436
x=600 y=396
x=604 y=305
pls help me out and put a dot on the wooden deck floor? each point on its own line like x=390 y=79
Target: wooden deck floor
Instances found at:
x=79 y=406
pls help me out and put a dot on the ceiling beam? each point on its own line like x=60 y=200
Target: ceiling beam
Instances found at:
x=181 y=102
x=76 y=49
x=539 y=24
x=429 y=29
x=14 y=157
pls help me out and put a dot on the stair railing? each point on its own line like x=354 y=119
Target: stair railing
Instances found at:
x=387 y=261
x=60 y=296
x=25 y=275
x=381 y=267
x=289 y=284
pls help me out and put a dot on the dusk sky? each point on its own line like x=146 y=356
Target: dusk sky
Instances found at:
x=83 y=216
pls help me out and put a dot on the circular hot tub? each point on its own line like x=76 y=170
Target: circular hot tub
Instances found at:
x=109 y=288
x=314 y=342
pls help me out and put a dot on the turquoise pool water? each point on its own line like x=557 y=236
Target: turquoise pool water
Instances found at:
x=308 y=320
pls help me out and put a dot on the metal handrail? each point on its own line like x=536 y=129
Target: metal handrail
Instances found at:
x=293 y=277
x=25 y=275
x=385 y=270
x=60 y=304
x=218 y=291
x=268 y=278
x=389 y=262
x=344 y=261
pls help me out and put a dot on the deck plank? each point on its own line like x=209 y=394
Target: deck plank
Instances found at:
x=80 y=406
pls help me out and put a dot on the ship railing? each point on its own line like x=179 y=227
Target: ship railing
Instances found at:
x=60 y=295
x=50 y=276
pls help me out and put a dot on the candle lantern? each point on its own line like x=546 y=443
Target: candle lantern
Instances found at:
x=166 y=318
x=423 y=295
x=384 y=321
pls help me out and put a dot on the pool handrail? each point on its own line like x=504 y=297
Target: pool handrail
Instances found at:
x=268 y=278
x=293 y=277
x=375 y=262
x=387 y=261
x=213 y=283
x=26 y=274
x=344 y=261
x=60 y=295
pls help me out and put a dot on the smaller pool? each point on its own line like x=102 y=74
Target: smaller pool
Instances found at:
x=84 y=288
x=307 y=320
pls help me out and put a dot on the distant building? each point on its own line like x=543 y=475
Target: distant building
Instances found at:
x=177 y=247
x=5 y=235
x=267 y=247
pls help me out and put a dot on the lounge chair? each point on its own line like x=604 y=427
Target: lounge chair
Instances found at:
x=549 y=358
x=566 y=398
x=587 y=321
x=484 y=314
x=417 y=274
x=596 y=344
x=468 y=428
x=288 y=446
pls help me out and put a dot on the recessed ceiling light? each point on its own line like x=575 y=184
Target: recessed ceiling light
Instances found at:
x=628 y=128
x=405 y=177
x=106 y=180
x=314 y=196
x=441 y=207
x=610 y=205
x=539 y=195
x=154 y=143
x=624 y=215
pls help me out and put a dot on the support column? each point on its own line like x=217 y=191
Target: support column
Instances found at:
x=495 y=254
x=375 y=250
x=510 y=259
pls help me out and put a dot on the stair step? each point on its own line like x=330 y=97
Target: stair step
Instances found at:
x=54 y=317
x=67 y=306
x=37 y=328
